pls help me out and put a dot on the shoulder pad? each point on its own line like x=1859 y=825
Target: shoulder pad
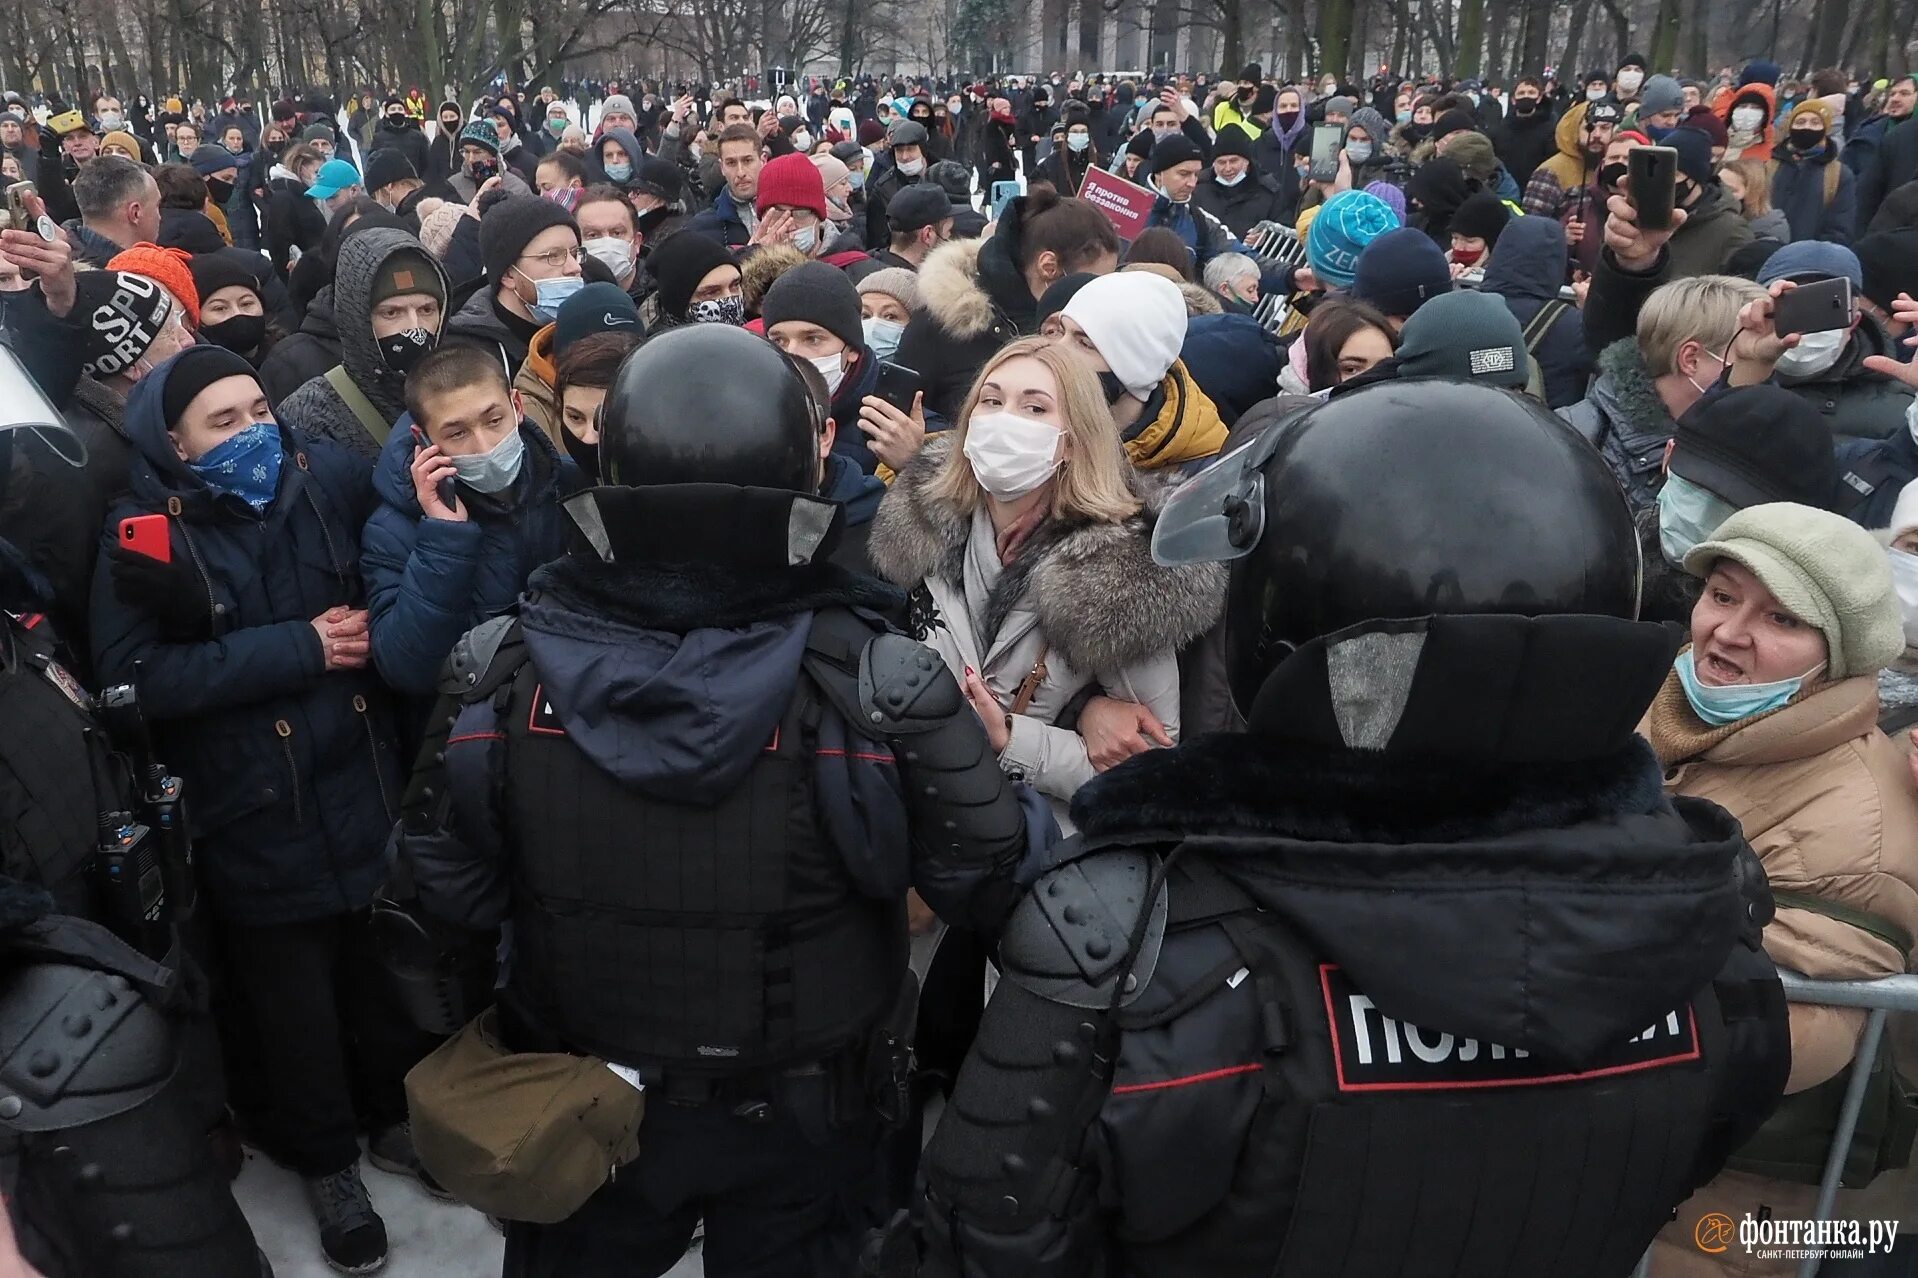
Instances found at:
x=469 y=671
x=80 y=1046
x=1067 y=939
x=904 y=686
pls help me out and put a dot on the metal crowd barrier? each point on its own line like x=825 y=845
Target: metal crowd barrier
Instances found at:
x=1880 y=998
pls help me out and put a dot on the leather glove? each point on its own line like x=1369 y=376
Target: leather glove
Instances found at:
x=174 y=593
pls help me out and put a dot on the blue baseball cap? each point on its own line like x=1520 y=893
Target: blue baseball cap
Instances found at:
x=334 y=176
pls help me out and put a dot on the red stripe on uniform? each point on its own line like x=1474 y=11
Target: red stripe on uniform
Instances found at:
x=1187 y=1081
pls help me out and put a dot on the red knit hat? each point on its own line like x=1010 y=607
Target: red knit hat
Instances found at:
x=169 y=267
x=793 y=181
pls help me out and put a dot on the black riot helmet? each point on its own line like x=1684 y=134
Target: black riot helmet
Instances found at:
x=709 y=403
x=709 y=455
x=1407 y=499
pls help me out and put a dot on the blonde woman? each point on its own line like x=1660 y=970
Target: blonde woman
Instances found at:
x=1749 y=182
x=1028 y=549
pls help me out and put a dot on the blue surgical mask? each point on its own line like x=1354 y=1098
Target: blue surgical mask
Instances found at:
x=550 y=294
x=883 y=335
x=1659 y=132
x=1078 y=141
x=1733 y=702
x=1405 y=116
x=246 y=464
x=804 y=237
x=857 y=179
x=619 y=171
x=494 y=470
x=1358 y=152
x=1688 y=516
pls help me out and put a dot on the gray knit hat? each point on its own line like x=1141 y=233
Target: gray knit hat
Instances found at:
x=818 y=294
x=895 y=282
x=1659 y=94
x=1825 y=569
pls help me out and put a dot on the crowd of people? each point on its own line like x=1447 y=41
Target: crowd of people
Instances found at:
x=505 y=511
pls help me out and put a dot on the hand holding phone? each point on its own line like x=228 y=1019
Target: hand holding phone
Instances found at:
x=1653 y=174
x=148 y=535
x=1816 y=307
x=433 y=474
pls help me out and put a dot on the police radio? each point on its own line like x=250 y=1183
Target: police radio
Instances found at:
x=145 y=857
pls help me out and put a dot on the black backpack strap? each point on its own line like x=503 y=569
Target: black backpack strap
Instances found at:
x=834 y=649
x=1542 y=324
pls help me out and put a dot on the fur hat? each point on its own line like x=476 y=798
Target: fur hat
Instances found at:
x=1825 y=569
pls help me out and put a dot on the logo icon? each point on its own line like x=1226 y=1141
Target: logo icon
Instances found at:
x=1714 y=1232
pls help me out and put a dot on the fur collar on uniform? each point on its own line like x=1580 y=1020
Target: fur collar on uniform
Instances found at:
x=950 y=291
x=1103 y=604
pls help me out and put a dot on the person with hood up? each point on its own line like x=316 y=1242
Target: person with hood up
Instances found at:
x=1527 y=271
x=251 y=650
x=615 y=158
x=1028 y=551
x=389 y=303
x=812 y=313
x=1746 y=446
x=1836 y=371
x=1749 y=113
x=1771 y=712
x=1561 y=186
x=1434 y=194
x=399 y=131
x=597 y=308
x=979 y=294
x=434 y=567
x=1816 y=194
x=1527 y=136
x=443 y=152
x=531 y=252
x=315 y=347
x=1367 y=155
x=1237 y=193
x=1129 y=327
x=1647 y=382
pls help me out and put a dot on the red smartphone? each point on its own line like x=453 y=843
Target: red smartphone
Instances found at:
x=147 y=535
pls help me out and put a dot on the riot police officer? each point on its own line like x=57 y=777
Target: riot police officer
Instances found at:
x=1423 y=974
x=105 y=1164
x=697 y=774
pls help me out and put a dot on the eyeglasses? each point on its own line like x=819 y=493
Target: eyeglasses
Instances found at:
x=554 y=259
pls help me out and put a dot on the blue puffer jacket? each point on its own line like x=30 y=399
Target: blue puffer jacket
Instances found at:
x=429 y=581
x=292 y=772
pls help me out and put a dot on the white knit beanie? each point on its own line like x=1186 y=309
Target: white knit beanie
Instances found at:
x=1826 y=570
x=1136 y=321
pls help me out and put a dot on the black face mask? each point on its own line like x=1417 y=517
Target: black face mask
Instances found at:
x=396 y=121
x=1286 y=119
x=277 y=149
x=584 y=455
x=240 y=334
x=1524 y=106
x=401 y=351
x=220 y=189
x=1611 y=175
x=1114 y=388
x=1807 y=139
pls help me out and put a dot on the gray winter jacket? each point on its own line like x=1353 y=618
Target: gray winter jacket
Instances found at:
x=1626 y=421
x=316 y=408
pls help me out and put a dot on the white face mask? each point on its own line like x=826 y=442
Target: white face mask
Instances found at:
x=802 y=141
x=912 y=168
x=833 y=369
x=1814 y=353
x=1628 y=81
x=1234 y=180
x=617 y=254
x=1011 y=455
x=1904 y=576
x=1594 y=95
x=1747 y=119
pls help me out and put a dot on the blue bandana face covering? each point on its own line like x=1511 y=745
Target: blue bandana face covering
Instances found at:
x=246 y=464
x=1719 y=706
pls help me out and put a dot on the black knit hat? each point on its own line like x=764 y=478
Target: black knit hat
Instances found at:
x=818 y=294
x=393 y=100
x=1141 y=144
x=509 y=226
x=215 y=271
x=1633 y=60
x=1268 y=98
x=1757 y=444
x=680 y=262
x=124 y=314
x=192 y=371
x=1482 y=217
x=1457 y=120
x=388 y=164
x=1890 y=262
x=1174 y=148
x=1232 y=141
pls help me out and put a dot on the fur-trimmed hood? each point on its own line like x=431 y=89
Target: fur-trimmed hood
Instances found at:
x=760 y=269
x=950 y=291
x=1103 y=603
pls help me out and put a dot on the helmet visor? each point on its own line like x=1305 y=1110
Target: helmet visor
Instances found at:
x=1218 y=514
x=24 y=407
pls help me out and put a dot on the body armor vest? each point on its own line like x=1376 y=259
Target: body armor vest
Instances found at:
x=1350 y=1142
x=714 y=940
x=47 y=802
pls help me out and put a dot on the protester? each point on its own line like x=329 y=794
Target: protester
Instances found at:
x=812 y=313
x=233 y=312
x=1238 y=193
x=1748 y=182
x=1527 y=271
x=1345 y=340
x=581 y=379
x=532 y=255
x=1809 y=186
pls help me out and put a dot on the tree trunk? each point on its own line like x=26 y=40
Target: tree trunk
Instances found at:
x=1471 y=35
x=1401 y=32
x=1498 y=33
x=1829 y=27
x=1664 y=50
x=1581 y=17
x=1335 y=37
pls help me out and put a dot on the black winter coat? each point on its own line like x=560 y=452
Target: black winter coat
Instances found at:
x=408 y=140
x=304 y=355
x=1527 y=270
x=1894 y=164
x=292 y=221
x=1523 y=144
x=1257 y=198
x=294 y=769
